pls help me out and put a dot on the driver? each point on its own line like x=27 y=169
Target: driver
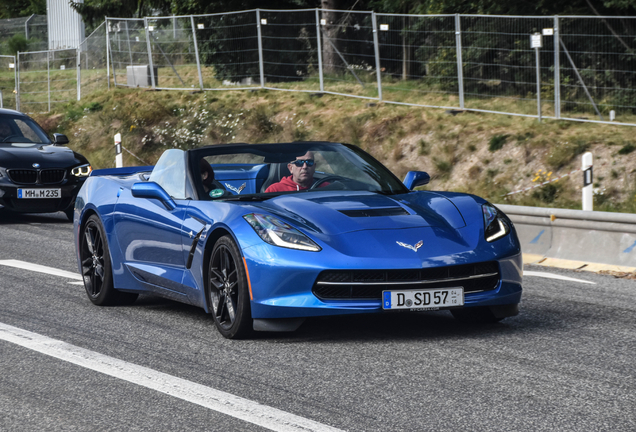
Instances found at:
x=302 y=175
x=5 y=130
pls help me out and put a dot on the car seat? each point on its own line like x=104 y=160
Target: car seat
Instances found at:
x=276 y=173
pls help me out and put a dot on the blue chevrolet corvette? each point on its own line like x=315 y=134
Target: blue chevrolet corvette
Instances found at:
x=263 y=236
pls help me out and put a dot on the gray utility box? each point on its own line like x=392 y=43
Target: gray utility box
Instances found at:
x=139 y=76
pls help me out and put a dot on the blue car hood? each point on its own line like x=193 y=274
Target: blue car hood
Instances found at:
x=342 y=212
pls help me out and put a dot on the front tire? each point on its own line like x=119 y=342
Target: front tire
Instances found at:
x=70 y=213
x=228 y=292
x=96 y=267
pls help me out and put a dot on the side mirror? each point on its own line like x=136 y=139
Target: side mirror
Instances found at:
x=152 y=190
x=59 y=139
x=414 y=179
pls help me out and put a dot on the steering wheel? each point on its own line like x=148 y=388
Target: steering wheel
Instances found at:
x=331 y=178
x=12 y=136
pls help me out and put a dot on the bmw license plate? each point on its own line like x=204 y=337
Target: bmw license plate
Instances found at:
x=39 y=193
x=427 y=299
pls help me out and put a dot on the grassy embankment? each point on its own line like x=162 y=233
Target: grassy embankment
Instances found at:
x=486 y=154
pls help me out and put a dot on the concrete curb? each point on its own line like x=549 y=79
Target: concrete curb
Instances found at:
x=574 y=265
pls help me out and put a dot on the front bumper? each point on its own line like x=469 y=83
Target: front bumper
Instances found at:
x=286 y=291
x=9 y=197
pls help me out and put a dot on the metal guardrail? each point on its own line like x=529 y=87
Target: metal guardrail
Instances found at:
x=576 y=235
x=593 y=220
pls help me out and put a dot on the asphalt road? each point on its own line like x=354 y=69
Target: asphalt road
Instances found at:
x=567 y=362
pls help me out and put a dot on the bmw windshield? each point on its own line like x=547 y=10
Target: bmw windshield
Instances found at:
x=21 y=131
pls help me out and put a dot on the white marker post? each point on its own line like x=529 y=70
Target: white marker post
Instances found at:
x=588 y=180
x=119 y=158
x=536 y=42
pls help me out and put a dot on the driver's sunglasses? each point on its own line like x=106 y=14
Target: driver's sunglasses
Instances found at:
x=300 y=162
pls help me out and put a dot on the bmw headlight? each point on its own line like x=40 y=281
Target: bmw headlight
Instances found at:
x=278 y=233
x=82 y=171
x=495 y=226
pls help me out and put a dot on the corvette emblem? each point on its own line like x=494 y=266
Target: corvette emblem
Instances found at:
x=235 y=189
x=414 y=248
x=36 y=165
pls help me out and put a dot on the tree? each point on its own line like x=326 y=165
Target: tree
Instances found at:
x=94 y=11
x=20 y=8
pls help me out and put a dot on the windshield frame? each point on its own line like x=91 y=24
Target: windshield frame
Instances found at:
x=281 y=152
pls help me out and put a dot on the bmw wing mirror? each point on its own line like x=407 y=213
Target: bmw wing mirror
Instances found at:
x=152 y=190
x=59 y=139
x=414 y=179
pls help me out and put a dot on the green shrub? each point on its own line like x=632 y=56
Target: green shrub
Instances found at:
x=17 y=43
x=627 y=149
x=497 y=142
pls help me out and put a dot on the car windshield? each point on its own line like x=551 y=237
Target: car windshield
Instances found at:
x=259 y=171
x=21 y=131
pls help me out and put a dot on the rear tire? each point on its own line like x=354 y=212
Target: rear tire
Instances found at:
x=96 y=267
x=227 y=289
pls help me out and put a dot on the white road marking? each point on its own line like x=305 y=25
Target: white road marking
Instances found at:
x=226 y=403
x=555 y=276
x=40 y=268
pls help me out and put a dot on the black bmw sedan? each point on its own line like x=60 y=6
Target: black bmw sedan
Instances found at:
x=37 y=175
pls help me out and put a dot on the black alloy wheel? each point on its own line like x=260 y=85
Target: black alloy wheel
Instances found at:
x=228 y=292
x=96 y=267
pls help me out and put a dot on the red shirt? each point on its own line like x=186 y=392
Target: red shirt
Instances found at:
x=285 y=185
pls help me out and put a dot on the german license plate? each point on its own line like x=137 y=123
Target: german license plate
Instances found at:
x=39 y=193
x=427 y=299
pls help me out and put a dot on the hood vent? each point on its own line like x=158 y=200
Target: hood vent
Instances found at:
x=385 y=211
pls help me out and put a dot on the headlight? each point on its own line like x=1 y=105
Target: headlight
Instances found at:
x=278 y=233
x=82 y=171
x=495 y=226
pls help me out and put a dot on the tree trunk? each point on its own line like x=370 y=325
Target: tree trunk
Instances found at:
x=330 y=60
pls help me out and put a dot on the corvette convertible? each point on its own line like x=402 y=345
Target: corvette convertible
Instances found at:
x=205 y=227
x=37 y=175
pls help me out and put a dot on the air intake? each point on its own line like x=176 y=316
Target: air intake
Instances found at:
x=376 y=212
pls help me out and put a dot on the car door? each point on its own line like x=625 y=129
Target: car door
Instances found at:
x=150 y=233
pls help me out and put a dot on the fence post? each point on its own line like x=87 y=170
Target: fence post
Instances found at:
x=130 y=52
x=48 y=77
x=260 y=47
x=79 y=73
x=196 y=51
x=588 y=182
x=536 y=42
x=152 y=68
x=376 y=46
x=557 y=69
x=460 y=67
x=319 y=45
x=16 y=74
x=108 y=53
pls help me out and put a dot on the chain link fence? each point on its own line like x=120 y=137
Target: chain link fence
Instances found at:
x=7 y=82
x=574 y=68
x=23 y=34
x=92 y=70
x=579 y=68
x=46 y=79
